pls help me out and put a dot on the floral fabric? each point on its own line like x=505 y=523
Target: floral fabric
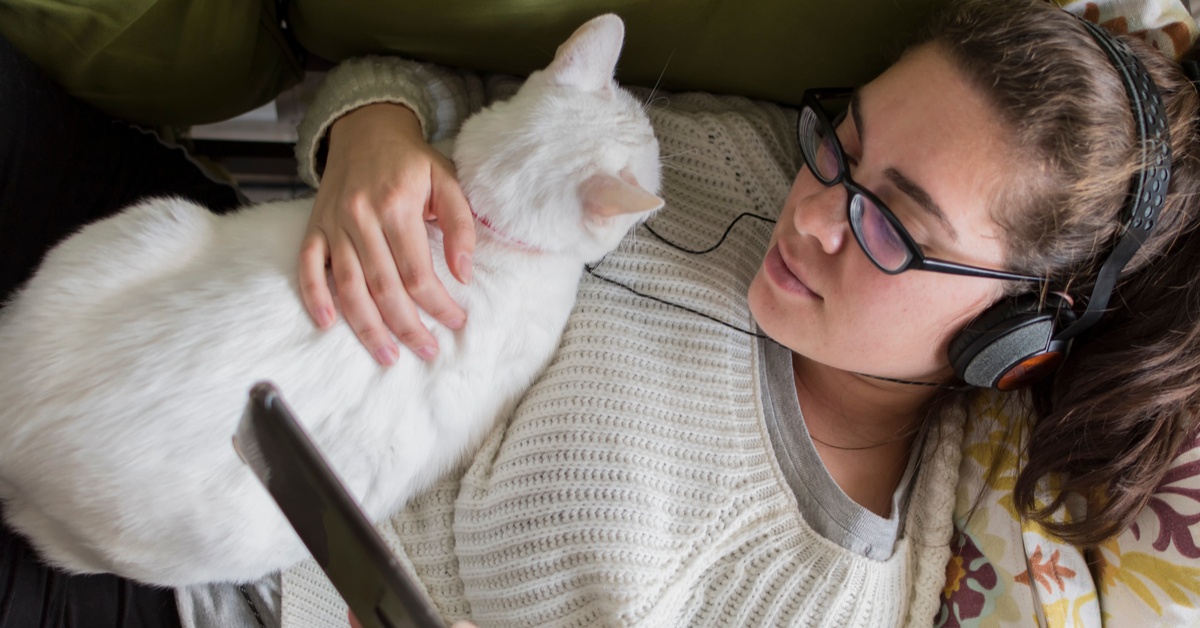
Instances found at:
x=1004 y=571
x=1166 y=24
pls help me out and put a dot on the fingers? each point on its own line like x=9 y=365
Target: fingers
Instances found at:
x=394 y=297
x=457 y=223
x=409 y=246
x=361 y=312
x=382 y=274
x=382 y=181
x=354 y=621
x=314 y=288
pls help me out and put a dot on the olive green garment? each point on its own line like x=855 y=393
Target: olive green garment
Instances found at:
x=770 y=49
x=168 y=62
x=181 y=62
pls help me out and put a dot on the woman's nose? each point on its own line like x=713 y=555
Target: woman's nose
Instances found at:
x=822 y=215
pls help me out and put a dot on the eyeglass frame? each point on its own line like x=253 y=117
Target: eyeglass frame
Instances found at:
x=917 y=260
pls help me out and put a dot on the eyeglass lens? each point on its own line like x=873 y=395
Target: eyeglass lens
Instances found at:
x=874 y=232
x=877 y=235
x=818 y=147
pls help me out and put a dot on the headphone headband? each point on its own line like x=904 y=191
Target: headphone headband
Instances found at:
x=1014 y=343
x=1148 y=189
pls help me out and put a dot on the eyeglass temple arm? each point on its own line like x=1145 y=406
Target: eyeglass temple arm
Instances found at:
x=938 y=265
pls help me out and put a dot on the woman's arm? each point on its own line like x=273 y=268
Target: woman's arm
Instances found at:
x=363 y=145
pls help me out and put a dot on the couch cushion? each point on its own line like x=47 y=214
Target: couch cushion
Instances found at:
x=769 y=49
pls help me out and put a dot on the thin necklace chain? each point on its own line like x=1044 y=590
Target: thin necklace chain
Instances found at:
x=591 y=269
x=886 y=442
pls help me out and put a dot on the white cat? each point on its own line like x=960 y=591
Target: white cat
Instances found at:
x=127 y=358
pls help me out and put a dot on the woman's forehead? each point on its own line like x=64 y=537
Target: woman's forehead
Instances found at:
x=921 y=119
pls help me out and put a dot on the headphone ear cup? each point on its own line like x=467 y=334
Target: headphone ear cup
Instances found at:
x=1009 y=344
x=1000 y=311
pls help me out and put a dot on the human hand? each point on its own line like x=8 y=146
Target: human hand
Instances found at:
x=458 y=624
x=382 y=182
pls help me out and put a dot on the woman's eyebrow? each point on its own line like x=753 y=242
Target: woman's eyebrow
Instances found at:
x=902 y=183
x=921 y=197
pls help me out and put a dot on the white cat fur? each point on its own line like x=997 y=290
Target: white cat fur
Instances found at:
x=127 y=358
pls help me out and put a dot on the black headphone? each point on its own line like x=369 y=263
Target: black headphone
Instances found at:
x=1022 y=339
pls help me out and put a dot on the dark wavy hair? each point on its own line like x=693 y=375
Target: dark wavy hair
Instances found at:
x=1120 y=407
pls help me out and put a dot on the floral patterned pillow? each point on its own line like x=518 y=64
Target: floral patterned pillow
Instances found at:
x=1007 y=572
x=1150 y=574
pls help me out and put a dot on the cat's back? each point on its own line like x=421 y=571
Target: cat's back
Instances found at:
x=163 y=292
x=150 y=250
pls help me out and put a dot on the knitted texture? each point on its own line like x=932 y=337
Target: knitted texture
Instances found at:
x=635 y=483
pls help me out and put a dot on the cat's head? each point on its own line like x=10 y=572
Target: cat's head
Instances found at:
x=570 y=163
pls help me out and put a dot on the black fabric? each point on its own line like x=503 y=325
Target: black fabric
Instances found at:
x=62 y=165
x=33 y=595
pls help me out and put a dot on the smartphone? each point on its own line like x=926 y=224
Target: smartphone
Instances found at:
x=332 y=525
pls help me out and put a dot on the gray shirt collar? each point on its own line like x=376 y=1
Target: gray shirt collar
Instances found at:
x=823 y=504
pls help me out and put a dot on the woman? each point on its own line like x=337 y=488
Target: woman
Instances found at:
x=1005 y=142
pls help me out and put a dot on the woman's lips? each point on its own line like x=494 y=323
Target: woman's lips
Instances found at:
x=783 y=276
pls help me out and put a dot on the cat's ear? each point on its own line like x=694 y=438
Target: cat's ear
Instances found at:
x=588 y=59
x=605 y=196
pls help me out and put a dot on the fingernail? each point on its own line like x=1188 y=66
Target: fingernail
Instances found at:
x=324 y=317
x=427 y=352
x=464 y=268
x=386 y=355
x=456 y=323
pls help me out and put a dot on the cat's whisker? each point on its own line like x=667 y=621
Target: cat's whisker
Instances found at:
x=686 y=152
x=650 y=99
x=651 y=103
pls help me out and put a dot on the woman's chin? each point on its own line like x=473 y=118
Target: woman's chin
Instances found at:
x=783 y=322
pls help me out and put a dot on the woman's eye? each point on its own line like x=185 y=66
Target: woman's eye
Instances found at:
x=827 y=158
x=886 y=231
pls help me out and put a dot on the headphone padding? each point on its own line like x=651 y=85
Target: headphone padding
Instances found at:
x=990 y=318
x=1025 y=336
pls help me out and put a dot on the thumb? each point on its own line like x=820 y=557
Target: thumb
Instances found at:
x=457 y=222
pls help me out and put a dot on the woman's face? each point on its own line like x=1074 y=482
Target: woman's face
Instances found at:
x=929 y=147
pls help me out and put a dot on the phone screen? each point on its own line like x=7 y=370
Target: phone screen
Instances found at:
x=326 y=517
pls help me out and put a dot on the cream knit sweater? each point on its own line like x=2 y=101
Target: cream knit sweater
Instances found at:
x=635 y=484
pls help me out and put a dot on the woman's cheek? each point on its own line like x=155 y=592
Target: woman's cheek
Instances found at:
x=896 y=322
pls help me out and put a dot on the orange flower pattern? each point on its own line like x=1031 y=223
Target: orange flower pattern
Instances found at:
x=1046 y=573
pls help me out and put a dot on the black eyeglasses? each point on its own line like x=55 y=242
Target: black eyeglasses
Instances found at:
x=880 y=234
